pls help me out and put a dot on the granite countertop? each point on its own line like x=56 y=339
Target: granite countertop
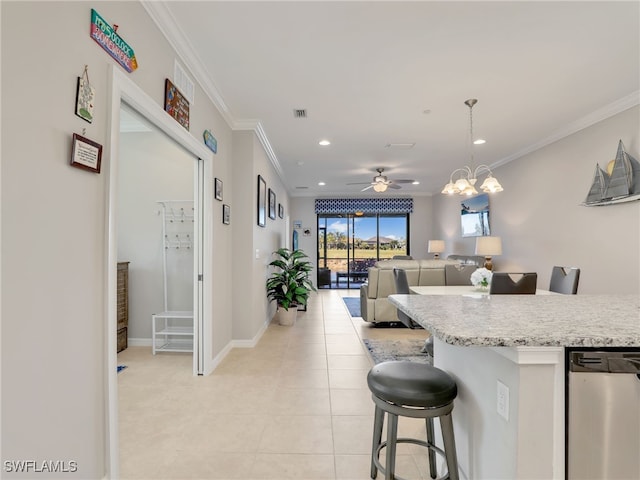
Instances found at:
x=527 y=320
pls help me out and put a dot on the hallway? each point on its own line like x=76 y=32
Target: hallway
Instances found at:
x=295 y=406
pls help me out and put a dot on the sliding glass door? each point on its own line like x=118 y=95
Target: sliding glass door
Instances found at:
x=348 y=244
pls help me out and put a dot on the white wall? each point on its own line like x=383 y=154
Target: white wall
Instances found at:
x=54 y=225
x=541 y=221
x=153 y=168
x=253 y=244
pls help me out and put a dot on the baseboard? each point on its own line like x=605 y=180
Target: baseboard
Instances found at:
x=211 y=366
x=139 y=342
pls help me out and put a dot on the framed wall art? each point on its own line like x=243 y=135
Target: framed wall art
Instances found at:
x=262 y=202
x=272 y=204
x=280 y=210
x=218 y=189
x=86 y=154
x=474 y=216
x=226 y=214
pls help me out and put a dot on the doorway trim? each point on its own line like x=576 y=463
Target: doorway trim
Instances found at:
x=123 y=89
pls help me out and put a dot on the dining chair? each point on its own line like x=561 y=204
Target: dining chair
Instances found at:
x=459 y=274
x=504 y=283
x=564 y=280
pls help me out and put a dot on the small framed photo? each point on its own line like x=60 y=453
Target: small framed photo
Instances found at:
x=272 y=204
x=226 y=214
x=86 y=154
x=218 y=189
x=262 y=202
x=280 y=210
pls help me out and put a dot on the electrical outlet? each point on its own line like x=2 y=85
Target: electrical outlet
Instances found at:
x=503 y=400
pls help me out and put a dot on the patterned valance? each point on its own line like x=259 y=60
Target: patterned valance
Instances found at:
x=365 y=205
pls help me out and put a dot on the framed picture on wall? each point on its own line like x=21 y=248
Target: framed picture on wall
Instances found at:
x=226 y=214
x=474 y=216
x=218 y=189
x=272 y=204
x=262 y=201
x=280 y=210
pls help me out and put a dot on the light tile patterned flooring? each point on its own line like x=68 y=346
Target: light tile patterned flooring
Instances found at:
x=295 y=406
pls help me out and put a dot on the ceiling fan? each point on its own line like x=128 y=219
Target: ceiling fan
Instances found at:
x=380 y=182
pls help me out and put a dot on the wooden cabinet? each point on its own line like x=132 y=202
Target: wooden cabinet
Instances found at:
x=123 y=304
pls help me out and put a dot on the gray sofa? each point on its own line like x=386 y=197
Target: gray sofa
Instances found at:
x=374 y=303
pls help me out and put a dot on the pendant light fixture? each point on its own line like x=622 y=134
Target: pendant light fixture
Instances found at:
x=467 y=176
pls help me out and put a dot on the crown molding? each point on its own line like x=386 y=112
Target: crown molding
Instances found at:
x=625 y=103
x=168 y=26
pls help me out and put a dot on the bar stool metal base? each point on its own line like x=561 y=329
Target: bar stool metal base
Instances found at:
x=393 y=411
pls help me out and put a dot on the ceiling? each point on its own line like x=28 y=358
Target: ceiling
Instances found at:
x=374 y=74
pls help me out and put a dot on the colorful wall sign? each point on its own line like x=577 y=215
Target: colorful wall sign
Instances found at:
x=105 y=35
x=210 y=141
x=175 y=104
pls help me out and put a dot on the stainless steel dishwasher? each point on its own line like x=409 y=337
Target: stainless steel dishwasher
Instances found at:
x=603 y=414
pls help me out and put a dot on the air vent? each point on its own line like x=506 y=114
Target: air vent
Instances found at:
x=301 y=188
x=299 y=113
x=405 y=146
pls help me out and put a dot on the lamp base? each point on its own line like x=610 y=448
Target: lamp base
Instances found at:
x=436 y=256
x=488 y=264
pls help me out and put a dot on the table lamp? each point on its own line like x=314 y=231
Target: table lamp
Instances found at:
x=436 y=247
x=488 y=246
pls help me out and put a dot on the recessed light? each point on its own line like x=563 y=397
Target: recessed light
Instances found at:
x=415 y=182
x=322 y=184
x=324 y=143
x=479 y=141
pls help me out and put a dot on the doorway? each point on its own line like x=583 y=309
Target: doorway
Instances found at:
x=156 y=244
x=124 y=90
x=350 y=243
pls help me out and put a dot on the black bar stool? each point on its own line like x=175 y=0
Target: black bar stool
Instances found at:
x=414 y=390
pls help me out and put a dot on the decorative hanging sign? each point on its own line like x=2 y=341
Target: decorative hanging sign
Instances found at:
x=105 y=35
x=175 y=104
x=85 y=94
x=210 y=141
x=85 y=153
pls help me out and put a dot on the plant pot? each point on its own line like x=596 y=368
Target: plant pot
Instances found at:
x=286 y=317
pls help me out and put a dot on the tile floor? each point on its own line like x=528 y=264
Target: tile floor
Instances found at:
x=295 y=406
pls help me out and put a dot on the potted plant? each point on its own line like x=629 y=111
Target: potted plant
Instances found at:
x=290 y=285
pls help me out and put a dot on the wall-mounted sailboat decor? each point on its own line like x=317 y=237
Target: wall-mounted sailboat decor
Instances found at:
x=619 y=182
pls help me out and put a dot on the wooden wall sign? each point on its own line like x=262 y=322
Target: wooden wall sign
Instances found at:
x=175 y=104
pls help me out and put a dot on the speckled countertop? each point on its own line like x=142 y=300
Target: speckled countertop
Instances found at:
x=527 y=320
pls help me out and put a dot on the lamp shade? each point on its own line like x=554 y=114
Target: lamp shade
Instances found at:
x=435 y=246
x=488 y=246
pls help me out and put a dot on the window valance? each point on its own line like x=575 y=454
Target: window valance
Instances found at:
x=365 y=205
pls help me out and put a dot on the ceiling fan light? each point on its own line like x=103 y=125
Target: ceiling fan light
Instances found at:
x=380 y=187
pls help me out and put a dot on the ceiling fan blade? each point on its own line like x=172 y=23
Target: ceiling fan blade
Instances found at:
x=393 y=185
x=366 y=188
x=403 y=181
x=359 y=183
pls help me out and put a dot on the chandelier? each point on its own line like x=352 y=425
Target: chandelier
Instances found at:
x=467 y=176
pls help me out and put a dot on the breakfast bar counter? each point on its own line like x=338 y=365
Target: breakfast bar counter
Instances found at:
x=507 y=355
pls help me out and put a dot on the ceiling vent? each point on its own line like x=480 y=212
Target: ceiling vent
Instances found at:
x=404 y=146
x=299 y=113
x=302 y=188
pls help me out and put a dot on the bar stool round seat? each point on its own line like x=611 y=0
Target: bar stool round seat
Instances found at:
x=412 y=390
